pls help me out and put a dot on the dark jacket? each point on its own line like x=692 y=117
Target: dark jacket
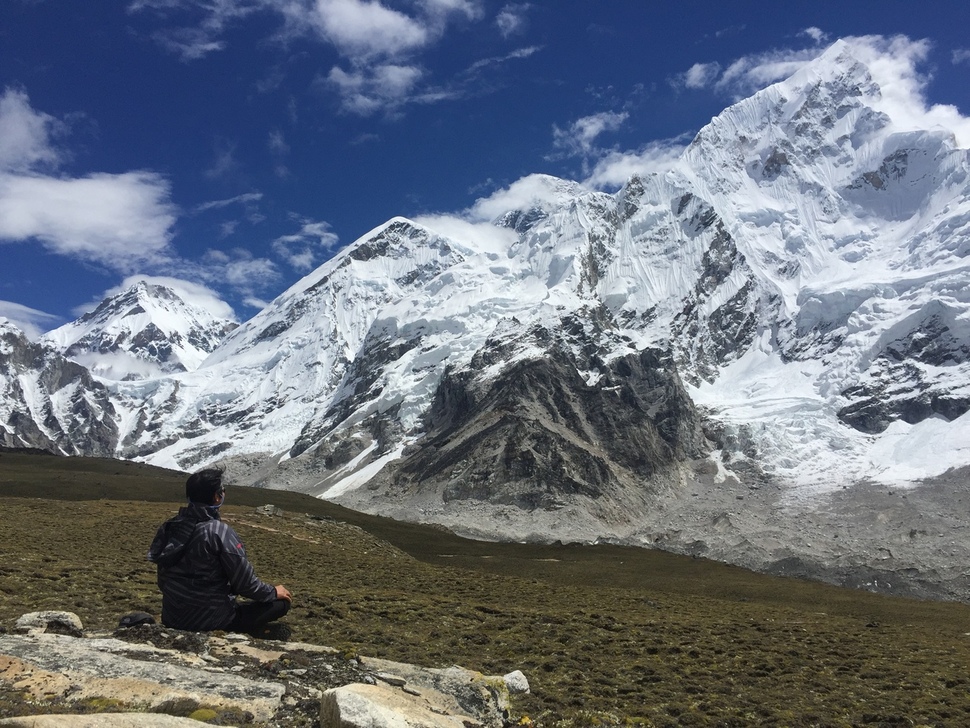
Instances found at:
x=202 y=566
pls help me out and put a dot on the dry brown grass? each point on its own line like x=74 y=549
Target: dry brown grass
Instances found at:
x=607 y=636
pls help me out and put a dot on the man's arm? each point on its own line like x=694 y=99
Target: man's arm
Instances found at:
x=242 y=577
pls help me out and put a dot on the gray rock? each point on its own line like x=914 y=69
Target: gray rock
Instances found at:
x=208 y=671
x=453 y=690
x=517 y=683
x=51 y=665
x=269 y=510
x=101 y=720
x=384 y=706
x=51 y=621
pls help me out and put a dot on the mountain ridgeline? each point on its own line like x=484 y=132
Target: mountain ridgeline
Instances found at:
x=783 y=310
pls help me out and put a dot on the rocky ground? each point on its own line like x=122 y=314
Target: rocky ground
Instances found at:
x=51 y=666
x=912 y=541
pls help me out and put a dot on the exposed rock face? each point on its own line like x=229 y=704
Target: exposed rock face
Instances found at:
x=51 y=403
x=535 y=433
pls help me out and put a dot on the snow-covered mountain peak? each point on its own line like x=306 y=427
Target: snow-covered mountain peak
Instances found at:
x=149 y=329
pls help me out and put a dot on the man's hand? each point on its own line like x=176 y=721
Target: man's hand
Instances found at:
x=283 y=593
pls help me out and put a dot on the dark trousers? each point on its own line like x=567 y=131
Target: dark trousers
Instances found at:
x=253 y=615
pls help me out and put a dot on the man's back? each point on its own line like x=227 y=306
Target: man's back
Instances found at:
x=199 y=588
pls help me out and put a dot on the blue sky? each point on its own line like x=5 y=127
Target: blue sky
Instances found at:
x=237 y=144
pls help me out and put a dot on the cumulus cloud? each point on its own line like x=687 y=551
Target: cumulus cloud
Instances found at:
x=29 y=320
x=362 y=30
x=120 y=221
x=579 y=137
x=894 y=64
x=304 y=249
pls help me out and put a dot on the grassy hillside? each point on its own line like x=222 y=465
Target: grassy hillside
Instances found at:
x=606 y=635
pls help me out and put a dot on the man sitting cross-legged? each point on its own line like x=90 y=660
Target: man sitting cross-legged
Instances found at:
x=202 y=566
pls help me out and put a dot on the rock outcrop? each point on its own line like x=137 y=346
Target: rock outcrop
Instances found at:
x=149 y=676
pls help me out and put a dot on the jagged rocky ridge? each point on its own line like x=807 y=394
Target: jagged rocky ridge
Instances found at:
x=779 y=316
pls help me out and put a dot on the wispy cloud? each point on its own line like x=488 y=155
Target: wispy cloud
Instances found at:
x=304 y=249
x=614 y=168
x=192 y=41
x=379 y=43
x=29 y=320
x=513 y=19
x=960 y=55
x=244 y=199
x=579 y=138
x=238 y=269
x=119 y=221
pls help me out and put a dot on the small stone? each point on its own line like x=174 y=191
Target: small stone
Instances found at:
x=269 y=510
x=516 y=682
x=390 y=679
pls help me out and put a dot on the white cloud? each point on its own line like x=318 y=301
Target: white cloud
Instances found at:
x=816 y=34
x=368 y=90
x=24 y=134
x=894 y=65
x=379 y=41
x=121 y=221
x=302 y=250
x=534 y=190
x=362 y=29
x=960 y=55
x=190 y=291
x=614 y=169
x=579 y=138
x=483 y=236
x=193 y=42
x=29 y=320
x=239 y=269
x=702 y=75
x=512 y=19
x=244 y=199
